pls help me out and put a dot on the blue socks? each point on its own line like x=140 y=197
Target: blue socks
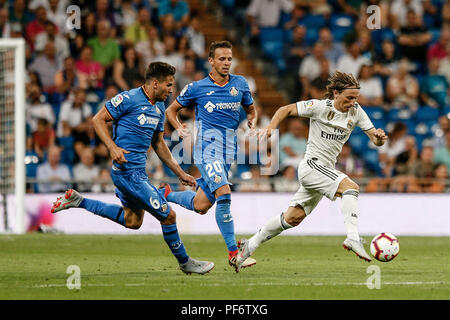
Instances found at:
x=112 y=212
x=172 y=238
x=183 y=198
x=225 y=221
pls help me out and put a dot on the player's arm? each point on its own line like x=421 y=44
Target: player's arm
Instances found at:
x=163 y=152
x=252 y=116
x=172 y=118
x=377 y=136
x=282 y=113
x=101 y=128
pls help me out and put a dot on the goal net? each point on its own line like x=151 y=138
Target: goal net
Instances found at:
x=12 y=135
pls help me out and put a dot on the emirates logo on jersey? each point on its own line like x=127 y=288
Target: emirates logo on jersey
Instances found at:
x=330 y=115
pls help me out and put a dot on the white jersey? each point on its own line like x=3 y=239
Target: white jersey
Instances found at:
x=329 y=128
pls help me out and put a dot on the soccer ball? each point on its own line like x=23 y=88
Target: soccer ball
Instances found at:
x=384 y=247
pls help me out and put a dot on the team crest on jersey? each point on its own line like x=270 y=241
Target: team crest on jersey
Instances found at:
x=350 y=124
x=309 y=103
x=117 y=100
x=164 y=207
x=217 y=179
x=157 y=110
x=234 y=92
x=330 y=115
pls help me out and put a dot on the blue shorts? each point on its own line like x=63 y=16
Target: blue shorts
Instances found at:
x=135 y=191
x=214 y=176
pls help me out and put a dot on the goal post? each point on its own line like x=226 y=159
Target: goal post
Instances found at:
x=12 y=134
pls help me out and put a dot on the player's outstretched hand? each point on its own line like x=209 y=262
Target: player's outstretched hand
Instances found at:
x=183 y=131
x=118 y=154
x=380 y=134
x=187 y=180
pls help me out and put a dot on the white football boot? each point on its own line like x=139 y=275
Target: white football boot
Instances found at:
x=357 y=247
x=196 y=266
x=243 y=259
x=71 y=199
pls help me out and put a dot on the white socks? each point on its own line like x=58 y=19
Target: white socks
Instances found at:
x=273 y=227
x=349 y=209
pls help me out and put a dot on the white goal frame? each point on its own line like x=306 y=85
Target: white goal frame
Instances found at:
x=19 y=132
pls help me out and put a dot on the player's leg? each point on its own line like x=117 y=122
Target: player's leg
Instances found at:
x=73 y=199
x=349 y=192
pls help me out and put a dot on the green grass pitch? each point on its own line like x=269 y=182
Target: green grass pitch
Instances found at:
x=34 y=266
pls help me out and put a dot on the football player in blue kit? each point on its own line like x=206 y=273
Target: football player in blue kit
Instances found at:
x=138 y=122
x=217 y=100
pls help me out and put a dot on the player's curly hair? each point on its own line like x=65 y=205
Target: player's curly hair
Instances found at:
x=340 y=81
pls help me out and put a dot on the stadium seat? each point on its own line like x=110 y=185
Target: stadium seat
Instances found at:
x=425 y=128
x=426 y=113
x=314 y=21
x=272 y=40
x=371 y=160
x=379 y=123
x=312 y=34
x=375 y=113
x=340 y=24
x=399 y=114
x=436 y=33
x=359 y=143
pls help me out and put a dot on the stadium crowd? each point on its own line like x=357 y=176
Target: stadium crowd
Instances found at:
x=403 y=67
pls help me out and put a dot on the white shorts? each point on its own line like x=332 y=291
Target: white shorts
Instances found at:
x=316 y=180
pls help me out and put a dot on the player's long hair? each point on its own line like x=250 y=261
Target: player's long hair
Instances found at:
x=340 y=81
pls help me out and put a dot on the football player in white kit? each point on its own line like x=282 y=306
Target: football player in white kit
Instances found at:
x=331 y=123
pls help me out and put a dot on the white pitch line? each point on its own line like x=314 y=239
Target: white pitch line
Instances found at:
x=295 y=284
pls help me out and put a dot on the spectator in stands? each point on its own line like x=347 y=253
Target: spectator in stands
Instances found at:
x=36 y=26
x=399 y=11
x=5 y=25
x=349 y=163
x=170 y=55
x=402 y=89
x=413 y=38
x=257 y=182
x=20 y=13
x=293 y=143
x=266 y=14
x=240 y=69
x=74 y=113
x=105 y=182
x=56 y=13
x=297 y=14
x=36 y=108
x=151 y=47
x=310 y=68
x=333 y=49
x=51 y=34
x=196 y=38
x=442 y=154
x=320 y=7
x=179 y=9
x=394 y=146
x=110 y=92
x=105 y=49
x=405 y=160
x=371 y=93
x=444 y=66
x=67 y=78
x=439 y=50
x=127 y=71
x=352 y=60
x=438 y=139
x=288 y=181
x=446 y=13
x=90 y=73
x=386 y=63
x=366 y=45
x=440 y=176
x=319 y=85
x=129 y=13
x=186 y=75
x=423 y=167
x=89 y=27
x=102 y=12
x=137 y=32
x=351 y=7
x=86 y=170
x=53 y=172
x=434 y=88
x=294 y=51
x=46 y=65
x=43 y=138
